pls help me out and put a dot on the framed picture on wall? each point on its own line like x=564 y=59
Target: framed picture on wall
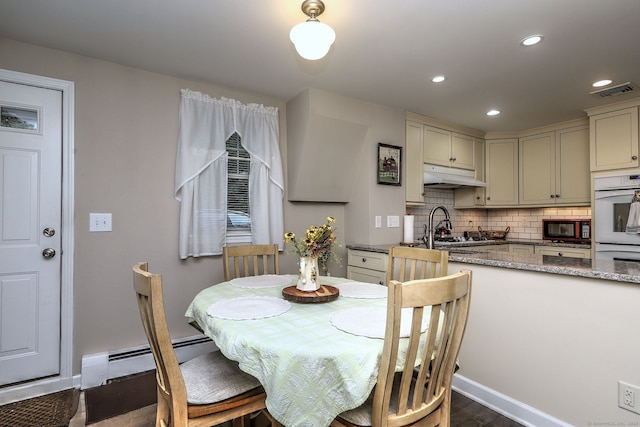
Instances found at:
x=389 y=158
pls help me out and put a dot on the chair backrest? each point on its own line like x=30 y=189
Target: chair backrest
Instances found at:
x=171 y=386
x=250 y=260
x=423 y=388
x=407 y=263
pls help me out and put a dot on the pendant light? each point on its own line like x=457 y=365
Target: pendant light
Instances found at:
x=312 y=38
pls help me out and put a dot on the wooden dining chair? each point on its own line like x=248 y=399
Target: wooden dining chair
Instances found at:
x=407 y=397
x=204 y=391
x=250 y=260
x=407 y=263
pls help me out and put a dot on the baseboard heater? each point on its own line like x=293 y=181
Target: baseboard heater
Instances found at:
x=98 y=369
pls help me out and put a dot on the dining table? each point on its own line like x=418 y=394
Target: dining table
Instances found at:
x=315 y=360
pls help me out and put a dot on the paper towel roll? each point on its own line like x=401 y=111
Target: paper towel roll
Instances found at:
x=408 y=229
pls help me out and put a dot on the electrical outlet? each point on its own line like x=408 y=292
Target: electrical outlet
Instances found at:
x=393 y=221
x=627 y=397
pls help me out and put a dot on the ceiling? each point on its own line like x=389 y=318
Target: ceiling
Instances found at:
x=386 y=51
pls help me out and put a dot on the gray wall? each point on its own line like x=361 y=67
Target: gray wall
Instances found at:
x=126 y=124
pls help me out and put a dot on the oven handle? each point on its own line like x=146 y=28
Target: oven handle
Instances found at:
x=600 y=195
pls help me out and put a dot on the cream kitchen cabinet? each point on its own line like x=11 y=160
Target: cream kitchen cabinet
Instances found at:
x=614 y=139
x=501 y=172
x=568 y=252
x=554 y=168
x=413 y=181
x=365 y=266
x=473 y=197
x=446 y=148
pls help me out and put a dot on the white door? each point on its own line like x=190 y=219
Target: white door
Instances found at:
x=30 y=234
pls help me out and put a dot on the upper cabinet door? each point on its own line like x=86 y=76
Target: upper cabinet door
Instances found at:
x=462 y=151
x=414 y=181
x=614 y=140
x=437 y=146
x=573 y=180
x=538 y=169
x=502 y=172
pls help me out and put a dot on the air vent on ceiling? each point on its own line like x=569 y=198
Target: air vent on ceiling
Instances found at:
x=622 y=89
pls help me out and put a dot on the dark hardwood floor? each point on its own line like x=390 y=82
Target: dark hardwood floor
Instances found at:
x=464 y=413
x=469 y=413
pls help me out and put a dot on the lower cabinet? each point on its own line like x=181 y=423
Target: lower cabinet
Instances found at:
x=369 y=267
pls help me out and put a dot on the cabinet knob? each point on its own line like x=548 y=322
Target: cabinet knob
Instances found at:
x=634 y=157
x=364 y=260
x=552 y=196
x=488 y=198
x=557 y=196
x=560 y=253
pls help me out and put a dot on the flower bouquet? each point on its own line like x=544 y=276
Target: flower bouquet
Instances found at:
x=316 y=246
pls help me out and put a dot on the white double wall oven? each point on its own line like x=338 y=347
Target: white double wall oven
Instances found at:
x=613 y=197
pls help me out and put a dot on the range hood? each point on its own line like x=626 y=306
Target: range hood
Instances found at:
x=442 y=177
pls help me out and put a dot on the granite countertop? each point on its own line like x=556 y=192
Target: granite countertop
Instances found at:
x=618 y=271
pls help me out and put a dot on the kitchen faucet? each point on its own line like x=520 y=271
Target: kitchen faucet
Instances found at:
x=429 y=239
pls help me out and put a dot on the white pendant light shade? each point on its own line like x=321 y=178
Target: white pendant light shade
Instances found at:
x=312 y=39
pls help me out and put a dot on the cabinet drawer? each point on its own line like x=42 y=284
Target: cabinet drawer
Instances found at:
x=568 y=252
x=365 y=275
x=369 y=260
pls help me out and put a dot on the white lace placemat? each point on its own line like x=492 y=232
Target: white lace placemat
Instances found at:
x=243 y=308
x=263 y=281
x=362 y=290
x=370 y=321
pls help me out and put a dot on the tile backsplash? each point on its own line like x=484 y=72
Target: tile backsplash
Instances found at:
x=525 y=223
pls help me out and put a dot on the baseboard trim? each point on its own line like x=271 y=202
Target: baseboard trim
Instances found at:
x=98 y=368
x=505 y=405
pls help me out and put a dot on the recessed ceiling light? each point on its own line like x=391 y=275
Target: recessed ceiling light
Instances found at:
x=438 y=79
x=531 y=40
x=601 y=83
x=493 y=112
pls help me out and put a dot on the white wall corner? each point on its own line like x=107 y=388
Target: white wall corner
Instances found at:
x=95 y=370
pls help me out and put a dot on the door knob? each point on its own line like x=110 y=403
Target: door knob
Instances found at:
x=49 y=253
x=49 y=232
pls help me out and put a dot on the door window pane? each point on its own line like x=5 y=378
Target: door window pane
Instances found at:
x=19 y=118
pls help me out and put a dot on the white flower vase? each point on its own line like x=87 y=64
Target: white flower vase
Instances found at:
x=308 y=274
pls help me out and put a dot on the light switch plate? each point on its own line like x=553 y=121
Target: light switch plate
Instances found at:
x=393 y=221
x=378 y=221
x=99 y=222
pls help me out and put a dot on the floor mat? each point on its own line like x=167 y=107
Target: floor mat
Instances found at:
x=120 y=396
x=50 y=410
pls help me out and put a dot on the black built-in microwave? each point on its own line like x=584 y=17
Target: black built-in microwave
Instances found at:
x=567 y=230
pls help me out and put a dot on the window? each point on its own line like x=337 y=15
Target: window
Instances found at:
x=238 y=213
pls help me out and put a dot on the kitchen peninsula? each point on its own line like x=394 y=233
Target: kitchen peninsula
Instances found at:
x=538 y=325
x=619 y=271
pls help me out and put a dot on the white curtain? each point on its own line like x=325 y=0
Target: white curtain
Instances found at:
x=201 y=171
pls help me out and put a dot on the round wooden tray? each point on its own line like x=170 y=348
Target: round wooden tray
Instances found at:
x=326 y=293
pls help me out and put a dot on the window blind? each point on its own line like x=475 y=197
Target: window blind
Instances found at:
x=238 y=166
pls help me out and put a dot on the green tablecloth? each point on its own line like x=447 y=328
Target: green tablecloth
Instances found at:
x=310 y=370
